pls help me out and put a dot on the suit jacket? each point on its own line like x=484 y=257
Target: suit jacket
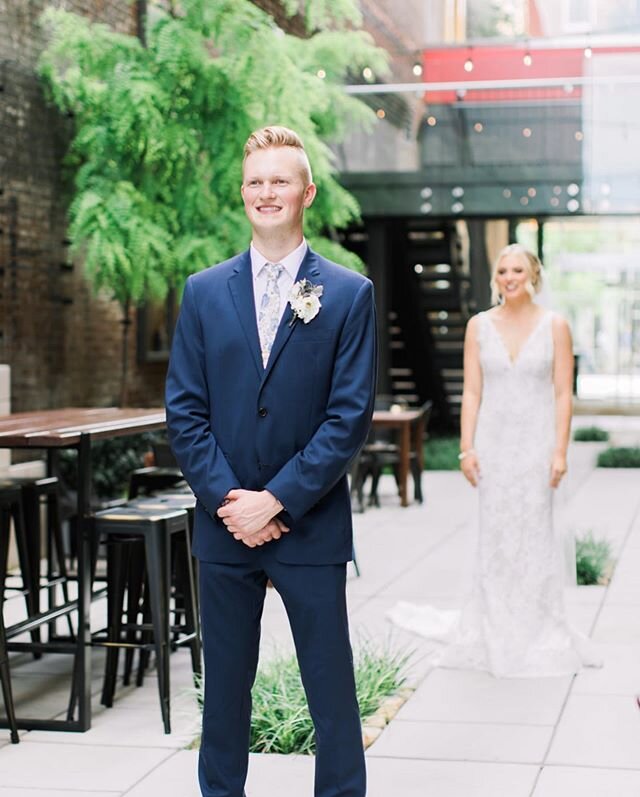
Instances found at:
x=291 y=428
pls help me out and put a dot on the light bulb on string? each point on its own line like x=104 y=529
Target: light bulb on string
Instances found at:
x=468 y=64
x=527 y=60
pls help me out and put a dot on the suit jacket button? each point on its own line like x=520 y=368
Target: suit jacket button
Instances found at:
x=262 y=412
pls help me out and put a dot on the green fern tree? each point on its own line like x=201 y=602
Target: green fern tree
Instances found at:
x=158 y=129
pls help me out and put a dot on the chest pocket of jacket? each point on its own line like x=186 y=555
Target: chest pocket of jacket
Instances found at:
x=310 y=335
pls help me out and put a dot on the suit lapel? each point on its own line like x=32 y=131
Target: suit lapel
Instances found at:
x=308 y=270
x=241 y=288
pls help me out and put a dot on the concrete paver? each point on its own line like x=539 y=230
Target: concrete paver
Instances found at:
x=587 y=782
x=461 y=734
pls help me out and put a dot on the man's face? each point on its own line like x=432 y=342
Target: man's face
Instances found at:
x=275 y=191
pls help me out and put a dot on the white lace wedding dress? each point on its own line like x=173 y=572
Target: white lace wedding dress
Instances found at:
x=514 y=623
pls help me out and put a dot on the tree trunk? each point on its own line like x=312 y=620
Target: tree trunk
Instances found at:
x=124 y=370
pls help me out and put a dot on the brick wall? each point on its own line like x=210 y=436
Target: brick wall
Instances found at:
x=62 y=343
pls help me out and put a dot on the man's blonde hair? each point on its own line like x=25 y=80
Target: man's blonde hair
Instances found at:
x=278 y=136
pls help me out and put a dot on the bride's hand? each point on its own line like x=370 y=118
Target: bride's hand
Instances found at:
x=558 y=469
x=470 y=468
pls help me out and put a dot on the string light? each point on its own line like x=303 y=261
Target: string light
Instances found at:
x=478 y=127
x=380 y=113
x=321 y=74
x=526 y=132
x=527 y=60
x=367 y=73
x=417 y=69
x=432 y=121
x=468 y=65
x=588 y=52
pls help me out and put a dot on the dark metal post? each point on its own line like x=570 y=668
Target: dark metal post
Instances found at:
x=377 y=245
x=141 y=21
x=83 y=653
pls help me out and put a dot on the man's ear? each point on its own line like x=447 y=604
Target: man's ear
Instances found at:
x=309 y=195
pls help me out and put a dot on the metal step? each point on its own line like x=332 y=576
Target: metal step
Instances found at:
x=443 y=332
x=453 y=373
x=449 y=345
x=406 y=385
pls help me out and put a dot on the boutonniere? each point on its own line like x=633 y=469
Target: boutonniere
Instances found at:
x=305 y=301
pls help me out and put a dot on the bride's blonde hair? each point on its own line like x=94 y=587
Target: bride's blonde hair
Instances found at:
x=530 y=261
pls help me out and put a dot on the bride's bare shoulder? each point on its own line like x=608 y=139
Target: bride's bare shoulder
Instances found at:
x=559 y=322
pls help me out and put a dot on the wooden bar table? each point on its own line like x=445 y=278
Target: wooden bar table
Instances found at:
x=53 y=430
x=409 y=425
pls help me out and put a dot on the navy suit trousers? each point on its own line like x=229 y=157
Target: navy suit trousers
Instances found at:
x=232 y=598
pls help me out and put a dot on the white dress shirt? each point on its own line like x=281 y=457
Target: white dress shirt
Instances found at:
x=290 y=263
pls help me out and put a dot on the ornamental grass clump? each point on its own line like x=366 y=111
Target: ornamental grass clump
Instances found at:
x=592 y=559
x=620 y=458
x=280 y=720
x=591 y=434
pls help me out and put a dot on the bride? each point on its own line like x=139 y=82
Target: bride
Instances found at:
x=516 y=415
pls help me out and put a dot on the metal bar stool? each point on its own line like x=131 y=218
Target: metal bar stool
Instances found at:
x=33 y=493
x=177 y=498
x=162 y=475
x=119 y=528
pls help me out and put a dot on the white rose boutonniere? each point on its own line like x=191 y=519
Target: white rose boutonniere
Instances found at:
x=305 y=301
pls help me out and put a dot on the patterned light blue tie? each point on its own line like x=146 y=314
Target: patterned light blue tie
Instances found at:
x=269 y=313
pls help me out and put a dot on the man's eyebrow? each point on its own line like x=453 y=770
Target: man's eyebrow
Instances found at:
x=278 y=176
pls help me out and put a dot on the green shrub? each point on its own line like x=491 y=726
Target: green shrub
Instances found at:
x=590 y=434
x=441 y=453
x=280 y=720
x=592 y=558
x=619 y=458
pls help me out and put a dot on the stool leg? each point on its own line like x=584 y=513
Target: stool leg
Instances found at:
x=116 y=582
x=5 y=677
x=159 y=581
x=5 y=526
x=134 y=595
x=56 y=543
x=28 y=539
x=184 y=575
x=146 y=636
x=417 y=480
x=5 y=680
x=376 y=471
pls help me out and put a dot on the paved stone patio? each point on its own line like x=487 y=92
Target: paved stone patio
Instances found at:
x=461 y=734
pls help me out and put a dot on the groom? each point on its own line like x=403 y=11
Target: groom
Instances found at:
x=269 y=397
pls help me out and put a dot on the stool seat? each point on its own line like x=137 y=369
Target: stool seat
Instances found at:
x=147 y=480
x=155 y=527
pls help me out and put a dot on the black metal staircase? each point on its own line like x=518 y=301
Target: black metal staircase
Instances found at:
x=423 y=290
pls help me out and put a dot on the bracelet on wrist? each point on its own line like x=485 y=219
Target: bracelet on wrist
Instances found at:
x=466 y=453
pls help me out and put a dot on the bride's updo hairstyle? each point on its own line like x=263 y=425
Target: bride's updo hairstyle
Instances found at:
x=531 y=263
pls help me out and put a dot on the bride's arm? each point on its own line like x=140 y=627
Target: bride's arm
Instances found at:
x=471 y=395
x=563 y=388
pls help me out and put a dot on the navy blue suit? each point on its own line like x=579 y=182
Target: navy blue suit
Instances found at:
x=291 y=428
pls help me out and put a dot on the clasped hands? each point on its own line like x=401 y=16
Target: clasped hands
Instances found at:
x=250 y=515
